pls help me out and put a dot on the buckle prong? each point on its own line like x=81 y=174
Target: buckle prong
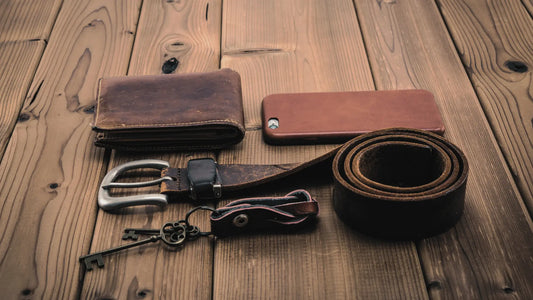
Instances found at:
x=136 y=184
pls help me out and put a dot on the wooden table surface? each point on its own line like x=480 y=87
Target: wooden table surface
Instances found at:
x=475 y=56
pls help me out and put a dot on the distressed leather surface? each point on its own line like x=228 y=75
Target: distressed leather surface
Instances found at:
x=400 y=183
x=165 y=112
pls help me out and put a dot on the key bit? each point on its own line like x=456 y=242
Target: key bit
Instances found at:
x=97 y=257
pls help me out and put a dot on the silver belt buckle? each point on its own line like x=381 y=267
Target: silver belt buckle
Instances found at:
x=107 y=202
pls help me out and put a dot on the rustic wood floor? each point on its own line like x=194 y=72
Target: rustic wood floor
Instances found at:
x=476 y=56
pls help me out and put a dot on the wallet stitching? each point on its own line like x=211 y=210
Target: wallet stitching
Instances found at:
x=109 y=127
x=102 y=143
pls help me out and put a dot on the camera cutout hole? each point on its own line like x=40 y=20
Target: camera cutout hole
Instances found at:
x=273 y=123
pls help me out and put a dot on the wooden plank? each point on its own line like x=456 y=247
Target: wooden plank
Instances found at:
x=50 y=171
x=304 y=46
x=27 y=20
x=488 y=254
x=498 y=55
x=190 y=32
x=18 y=62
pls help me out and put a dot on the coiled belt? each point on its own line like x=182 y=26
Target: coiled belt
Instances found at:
x=400 y=183
x=393 y=183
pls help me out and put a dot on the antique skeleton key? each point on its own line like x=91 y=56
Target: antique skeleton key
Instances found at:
x=172 y=234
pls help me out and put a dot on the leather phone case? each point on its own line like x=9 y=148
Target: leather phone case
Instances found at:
x=170 y=112
x=335 y=117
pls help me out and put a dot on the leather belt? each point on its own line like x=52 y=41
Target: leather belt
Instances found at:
x=404 y=184
x=394 y=183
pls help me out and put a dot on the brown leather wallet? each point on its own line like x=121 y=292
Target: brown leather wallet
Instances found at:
x=192 y=111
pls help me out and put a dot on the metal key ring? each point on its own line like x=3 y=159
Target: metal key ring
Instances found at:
x=176 y=236
x=196 y=231
x=195 y=209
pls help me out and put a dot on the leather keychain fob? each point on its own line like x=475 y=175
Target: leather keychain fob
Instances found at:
x=252 y=214
x=291 y=211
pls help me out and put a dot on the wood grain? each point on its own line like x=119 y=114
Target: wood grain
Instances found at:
x=186 y=30
x=302 y=46
x=50 y=171
x=495 y=39
x=27 y=20
x=190 y=32
x=488 y=254
x=529 y=6
x=18 y=62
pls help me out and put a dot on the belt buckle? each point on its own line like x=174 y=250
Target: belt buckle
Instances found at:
x=108 y=202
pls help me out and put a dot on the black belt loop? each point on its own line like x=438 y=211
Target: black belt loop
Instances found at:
x=204 y=180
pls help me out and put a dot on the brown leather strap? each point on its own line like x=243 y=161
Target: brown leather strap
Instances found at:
x=394 y=183
x=236 y=176
x=400 y=183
